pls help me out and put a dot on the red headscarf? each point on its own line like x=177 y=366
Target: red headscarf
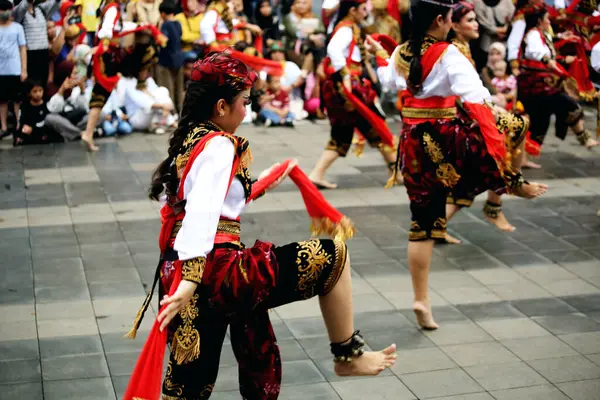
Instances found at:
x=222 y=69
x=461 y=9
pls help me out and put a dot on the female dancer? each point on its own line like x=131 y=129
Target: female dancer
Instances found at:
x=465 y=29
x=347 y=56
x=443 y=151
x=218 y=26
x=540 y=84
x=206 y=184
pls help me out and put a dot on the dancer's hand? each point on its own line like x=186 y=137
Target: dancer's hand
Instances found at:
x=175 y=303
x=266 y=172
x=372 y=45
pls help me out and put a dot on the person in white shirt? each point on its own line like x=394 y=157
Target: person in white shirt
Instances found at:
x=207 y=185
x=443 y=151
x=218 y=25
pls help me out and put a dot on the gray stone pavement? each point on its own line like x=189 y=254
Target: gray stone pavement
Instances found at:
x=519 y=312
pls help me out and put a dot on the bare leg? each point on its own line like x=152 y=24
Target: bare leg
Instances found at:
x=317 y=176
x=419 y=258
x=578 y=128
x=336 y=307
x=17 y=108
x=495 y=215
x=390 y=157
x=88 y=136
x=4 y=116
x=451 y=209
x=528 y=164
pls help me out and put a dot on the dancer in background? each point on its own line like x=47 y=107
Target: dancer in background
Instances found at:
x=207 y=186
x=443 y=150
x=344 y=68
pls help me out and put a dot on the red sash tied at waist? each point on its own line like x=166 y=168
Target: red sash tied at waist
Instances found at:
x=431 y=108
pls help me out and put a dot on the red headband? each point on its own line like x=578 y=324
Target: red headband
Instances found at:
x=461 y=9
x=221 y=69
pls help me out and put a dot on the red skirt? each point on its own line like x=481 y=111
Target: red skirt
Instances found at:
x=339 y=110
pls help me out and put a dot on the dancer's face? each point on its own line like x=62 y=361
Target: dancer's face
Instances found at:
x=467 y=27
x=545 y=22
x=234 y=113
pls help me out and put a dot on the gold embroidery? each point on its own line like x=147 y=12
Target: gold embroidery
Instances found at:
x=192 y=269
x=437 y=113
x=243 y=270
x=311 y=260
x=382 y=53
x=341 y=253
x=167 y=397
x=169 y=385
x=447 y=175
x=186 y=341
x=432 y=149
x=207 y=390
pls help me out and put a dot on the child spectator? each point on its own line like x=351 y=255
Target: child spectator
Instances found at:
x=504 y=83
x=13 y=64
x=33 y=119
x=170 y=58
x=116 y=118
x=190 y=19
x=276 y=104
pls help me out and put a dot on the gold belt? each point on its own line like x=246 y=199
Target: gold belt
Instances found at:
x=225 y=227
x=438 y=113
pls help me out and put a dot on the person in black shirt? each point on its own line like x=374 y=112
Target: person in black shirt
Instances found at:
x=33 y=129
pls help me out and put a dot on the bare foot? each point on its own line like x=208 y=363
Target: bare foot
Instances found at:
x=531 y=165
x=598 y=213
x=370 y=363
x=501 y=222
x=323 y=184
x=591 y=143
x=424 y=315
x=89 y=144
x=531 y=190
x=448 y=239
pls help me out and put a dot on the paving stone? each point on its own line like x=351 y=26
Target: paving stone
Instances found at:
x=447 y=382
x=384 y=388
x=317 y=391
x=484 y=311
x=429 y=359
x=538 y=348
x=584 y=303
x=11 y=350
x=458 y=333
x=585 y=343
x=505 y=376
x=404 y=339
x=326 y=368
x=71 y=345
x=94 y=389
x=565 y=369
x=570 y=323
x=595 y=358
x=18 y=371
x=75 y=367
x=471 y=396
x=543 y=306
x=484 y=353
x=543 y=392
x=29 y=391
x=502 y=329
x=582 y=390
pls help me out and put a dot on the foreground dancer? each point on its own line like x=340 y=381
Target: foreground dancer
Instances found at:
x=347 y=57
x=207 y=186
x=443 y=151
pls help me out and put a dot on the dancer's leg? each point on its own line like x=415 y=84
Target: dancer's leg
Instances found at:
x=419 y=259
x=317 y=176
x=493 y=212
x=338 y=146
x=88 y=135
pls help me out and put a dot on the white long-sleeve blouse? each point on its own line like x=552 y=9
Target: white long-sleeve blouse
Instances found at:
x=339 y=48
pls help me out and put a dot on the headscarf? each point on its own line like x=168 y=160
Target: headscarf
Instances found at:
x=221 y=69
x=461 y=9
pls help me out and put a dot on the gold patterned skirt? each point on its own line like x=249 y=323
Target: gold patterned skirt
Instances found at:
x=238 y=288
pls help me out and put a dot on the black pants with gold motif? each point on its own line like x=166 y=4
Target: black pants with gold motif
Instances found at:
x=302 y=270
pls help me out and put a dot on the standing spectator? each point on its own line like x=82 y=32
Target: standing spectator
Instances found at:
x=13 y=64
x=268 y=21
x=89 y=19
x=144 y=12
x=34 y=17
x=304 y=34
x=170 y=58
x=276 y=104
x=494 y=18
x=190 y=19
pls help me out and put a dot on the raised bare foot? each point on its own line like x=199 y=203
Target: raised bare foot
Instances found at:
x=531 y=165
x=598 y=213
x=501 y=222
x=370 y=363
x=424 y=315
x=591 y=143
x=531 y=190
x=322 y=183
x=448 y=239
x=89 y=144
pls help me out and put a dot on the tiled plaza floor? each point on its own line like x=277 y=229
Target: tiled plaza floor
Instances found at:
x=519 y=312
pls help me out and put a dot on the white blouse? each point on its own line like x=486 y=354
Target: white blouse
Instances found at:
x=109 y=25
x=453 y=75
x=339 y=47
x=208 y=23
x=595 y=58
x=207 y=198
x=535 y=48
x=515 y=39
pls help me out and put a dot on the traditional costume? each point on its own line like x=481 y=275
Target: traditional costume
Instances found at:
x=237 y=285
x=442 y=153
x=541 y=89
x=350 y=110
x=110 y=59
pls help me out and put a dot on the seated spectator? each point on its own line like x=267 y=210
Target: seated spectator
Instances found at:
x=71 y=37
x=13 y=64
x=33 y=129
x=68 y=109
x=304 y=35
x=190 y=18
x=276 y=104
x=504 y=83
x=293 y=77
x=116 y=120
x=496 y=53
x=268 y=21
x=170 y=58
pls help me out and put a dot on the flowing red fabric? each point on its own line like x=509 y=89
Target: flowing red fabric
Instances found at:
x=578 y=69
x=494 y=141
x=107 y=82
x=386 y=41
x=326 y=219
x=146 y=379
x=531 y=146
x=392 y=9
x=431 y=56
x=259 y=44
x=271 y=67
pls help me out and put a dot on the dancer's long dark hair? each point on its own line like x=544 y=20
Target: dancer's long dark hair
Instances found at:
x=198 y=106
x=423 y=14
x=533 y=19
x=344 y=10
